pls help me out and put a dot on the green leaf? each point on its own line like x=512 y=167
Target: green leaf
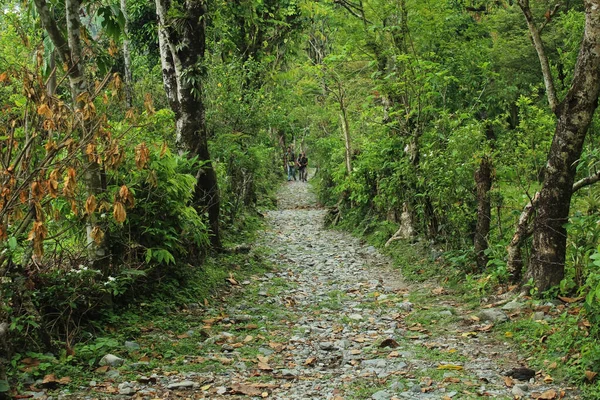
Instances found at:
x=4 y=387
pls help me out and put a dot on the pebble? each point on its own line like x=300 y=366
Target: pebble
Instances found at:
x=111 y=360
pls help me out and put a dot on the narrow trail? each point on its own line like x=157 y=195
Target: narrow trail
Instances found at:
x=332 y=321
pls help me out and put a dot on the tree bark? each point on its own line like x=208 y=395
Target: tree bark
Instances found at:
x=127 y=57
x=348 y=144
x=182 y=47
x=574 y=115
x=483 y=179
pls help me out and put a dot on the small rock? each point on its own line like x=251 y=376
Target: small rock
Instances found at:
x=406 y=306
x=221 y=390
x=416 y=388
x=355 y=317
x=132 y=346
x=516 y=391
x=538 y=316
x=381 y=395
x=181 y=385
x=111 y=360
x=513 y=305
x=493 y=315
x=327 y=346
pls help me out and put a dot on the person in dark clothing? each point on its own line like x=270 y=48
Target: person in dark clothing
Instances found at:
x=303 y=166
x=290 y=162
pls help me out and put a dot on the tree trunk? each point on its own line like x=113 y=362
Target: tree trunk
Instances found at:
x=70 y=53
x=182 y=47
x=127 y=57
x=574 y=115
x=346 y=131
x=483 y=179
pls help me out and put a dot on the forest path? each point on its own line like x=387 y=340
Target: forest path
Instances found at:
x=333 y=320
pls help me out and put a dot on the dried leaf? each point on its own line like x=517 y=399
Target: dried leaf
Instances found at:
x=119 y=212
x=389 y=342
x=548 y=395
x=590 y=375
x=508 y=381
x=142 y=155
x=570 y=300
x=310 y=361
x=90 y=204
x=248 y=390
x=451 y=367
x=97 y=235
x=548 y=379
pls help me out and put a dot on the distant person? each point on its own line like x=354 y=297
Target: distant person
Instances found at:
x=290 y=162
x=303 y=166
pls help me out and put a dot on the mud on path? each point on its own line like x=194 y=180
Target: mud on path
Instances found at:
x=332 y=320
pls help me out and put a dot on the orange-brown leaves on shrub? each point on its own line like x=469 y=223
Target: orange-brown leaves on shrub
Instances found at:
x=163 y=149
x=91 y=204
x=142 y=155
x=44 y=110
x=3 y=77
x=49 y=125
x=53 y=184
x=70 y=183
x=97 y=235
x=37 y=234
x=119 y=212
x=149 y=104
x=114 y=155
x=90 y=151
x=50 y=146
x=126 y=197
x=37 y=190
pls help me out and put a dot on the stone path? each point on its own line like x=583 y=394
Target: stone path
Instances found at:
x=333 y=321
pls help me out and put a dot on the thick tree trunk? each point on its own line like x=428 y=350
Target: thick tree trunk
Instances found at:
x=182 y=47
x=574 y=115
x=483 y=179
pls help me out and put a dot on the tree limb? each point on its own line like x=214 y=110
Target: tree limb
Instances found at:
x=588 y=180
x=59 y=41
x=539 y=48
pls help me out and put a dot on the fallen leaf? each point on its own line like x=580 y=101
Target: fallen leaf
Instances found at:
x=310 y=361
x=508 y=381
x=102 y=369
x=469 y=334
x=183 y=336
x=570 y=300
x=389 y=342
x=393 y=354
x=248 y=390
x=355 y=351
x=452 y=367
x=548 y=395
x=451 y=379
x=548 y=379
x=590 y=375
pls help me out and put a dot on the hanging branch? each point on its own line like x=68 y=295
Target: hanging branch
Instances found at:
x=539 y=48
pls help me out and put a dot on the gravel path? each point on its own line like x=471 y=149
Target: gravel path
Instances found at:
x=332 y=321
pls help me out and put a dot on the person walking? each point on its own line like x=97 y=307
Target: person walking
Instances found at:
x=303 y=166
x=290 y=162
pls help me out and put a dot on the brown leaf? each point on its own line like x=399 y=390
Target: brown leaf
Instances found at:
x=119 y=212
x=97 y=235
x=183 y=336
x=310 y=361
x=91 y=204
x=548 y=395
x=142 y=155
x=389 y=342
x=248 y=390
x=590 y=375
x=102 y=369
x=570 y=299
x=508 y=381
x=451 y=379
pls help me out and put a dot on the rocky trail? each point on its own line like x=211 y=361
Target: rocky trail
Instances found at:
x=332 y=320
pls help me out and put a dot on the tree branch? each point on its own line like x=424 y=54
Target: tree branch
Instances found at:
x=539 y=48
x=587 y=181
x=59 y=41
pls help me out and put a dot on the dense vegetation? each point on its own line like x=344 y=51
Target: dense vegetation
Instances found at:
x=139 y=137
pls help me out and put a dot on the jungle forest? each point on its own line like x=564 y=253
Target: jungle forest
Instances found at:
x=158 y=239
